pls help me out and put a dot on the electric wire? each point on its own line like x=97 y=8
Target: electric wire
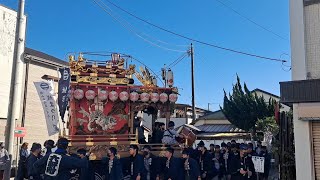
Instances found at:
x=130 y=28
x=196 y=40
x=173 y=63
x=177 y=62
x=251 y=21
x=163 y=42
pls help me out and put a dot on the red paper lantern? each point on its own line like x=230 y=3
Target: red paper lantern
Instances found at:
x=78 y=94
x=124 y=96
x=173 y=98
x=113 y=96
x=134 y=96
x=163 y=97
x=103 y=95
x=144 y=97
x=90 y=94
x=154 y=97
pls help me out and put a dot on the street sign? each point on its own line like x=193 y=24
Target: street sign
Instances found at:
x=258 y=163
x=20 y=132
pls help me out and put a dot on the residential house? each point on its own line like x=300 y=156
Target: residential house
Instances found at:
x=39 y=67
x=303 y=91
x=215 y=127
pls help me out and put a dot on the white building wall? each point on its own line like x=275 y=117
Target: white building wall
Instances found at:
x=312 y=43
x=303 y=148
x=177 y=121
x=267 y=97
x=7 y=40
x=35 y=122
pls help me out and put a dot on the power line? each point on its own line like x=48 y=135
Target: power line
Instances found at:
x=177 y=62
x=173 y=63
x=163 y=42
x=251 y=21
x=195 y=40
x=130 y=28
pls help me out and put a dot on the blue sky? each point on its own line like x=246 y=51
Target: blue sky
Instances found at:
x=62 y=26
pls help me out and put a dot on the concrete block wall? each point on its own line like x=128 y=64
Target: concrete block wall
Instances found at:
x=312 y=40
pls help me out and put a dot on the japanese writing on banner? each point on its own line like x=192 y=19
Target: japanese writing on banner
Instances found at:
x=258 y=163
x=49 y=106
x=63 y=91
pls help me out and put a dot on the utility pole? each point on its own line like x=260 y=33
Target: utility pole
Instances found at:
x=192 y=83
x=16 y=85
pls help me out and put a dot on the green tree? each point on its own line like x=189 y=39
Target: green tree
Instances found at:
x=244 y=108
x=268 y=124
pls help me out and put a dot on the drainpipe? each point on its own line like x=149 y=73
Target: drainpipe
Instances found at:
x=24 y=102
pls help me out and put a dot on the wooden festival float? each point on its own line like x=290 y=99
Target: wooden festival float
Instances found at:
x=104 y=101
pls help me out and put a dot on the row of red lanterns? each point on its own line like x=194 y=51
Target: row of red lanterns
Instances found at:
x=103 y=95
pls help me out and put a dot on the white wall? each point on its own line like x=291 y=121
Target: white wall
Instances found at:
x=303 y=148
x=267 y=97
x=312 y=39
x=177 y=121
x=7 y=40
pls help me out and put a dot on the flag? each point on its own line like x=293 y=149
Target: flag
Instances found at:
x=49 y=106
x=63 y=91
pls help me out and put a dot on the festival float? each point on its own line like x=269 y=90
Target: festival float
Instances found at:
x=104 y=101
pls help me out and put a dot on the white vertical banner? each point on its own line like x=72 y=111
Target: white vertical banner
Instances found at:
x=44 y=90
x=258 y=163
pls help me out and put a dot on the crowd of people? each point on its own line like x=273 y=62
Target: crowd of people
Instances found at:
x=228 y=161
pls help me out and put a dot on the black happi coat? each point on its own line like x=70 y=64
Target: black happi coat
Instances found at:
x=246 y=164
x=174 y=169
x=67 y=163
x=232 y=166
x=31 y=171
x=154 y=167
x=116 y=170
x=191 y=169
x=138 y=166
x=206 y=165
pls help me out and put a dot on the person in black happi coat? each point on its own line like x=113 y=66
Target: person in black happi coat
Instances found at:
x=191 y=167
x=173 y=166
x=113 y=165
x=232 y=158
x=58 y=164
x=205 y=163
x=33 y=157
x=244 y=166
x=151 y=164
x=84 y=173
x=136 y=164
x=22 y=167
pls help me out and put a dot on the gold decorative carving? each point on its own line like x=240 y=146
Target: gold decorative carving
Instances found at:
x=144 y=77
x=112 y=67
x=102 y=80
x=113 y=143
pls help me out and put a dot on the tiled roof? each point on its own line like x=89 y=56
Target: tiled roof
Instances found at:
x=45 y=56
x=217 y=115
x=219 y=128
x=265 y=92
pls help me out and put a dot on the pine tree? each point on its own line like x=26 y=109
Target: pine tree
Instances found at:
x=244 y=108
